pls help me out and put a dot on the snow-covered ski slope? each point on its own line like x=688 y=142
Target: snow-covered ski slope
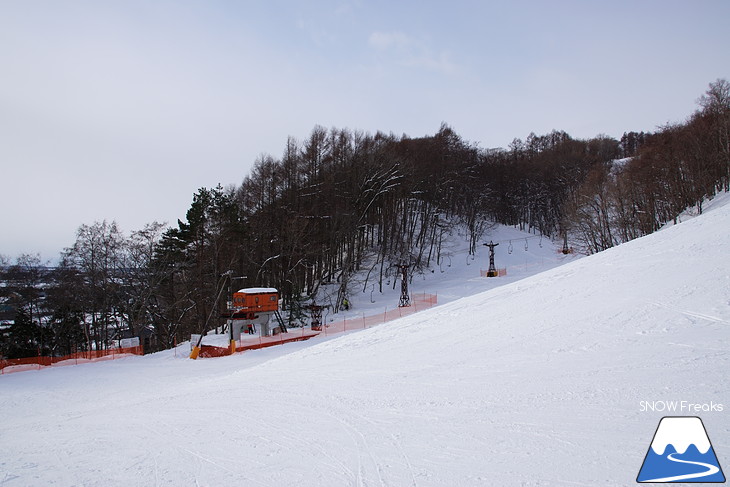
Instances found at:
x=537 y=382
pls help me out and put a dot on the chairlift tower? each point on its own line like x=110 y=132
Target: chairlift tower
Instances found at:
x=492 y=272
x=316 y=310
x=405 y=297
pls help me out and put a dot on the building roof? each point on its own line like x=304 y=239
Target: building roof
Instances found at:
x=258 y=290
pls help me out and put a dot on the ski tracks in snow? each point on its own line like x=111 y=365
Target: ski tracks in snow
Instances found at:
x=691 y=314
x=350 y=443
x=286 y=437
x=361 y=444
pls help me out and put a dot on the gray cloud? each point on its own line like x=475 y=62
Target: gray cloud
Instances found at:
x=120 y=110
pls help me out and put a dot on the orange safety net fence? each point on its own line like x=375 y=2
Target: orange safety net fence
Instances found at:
x=293 y=335
x=419 y=302
x=34 y=363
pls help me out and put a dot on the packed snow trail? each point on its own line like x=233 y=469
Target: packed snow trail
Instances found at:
x=537 y=382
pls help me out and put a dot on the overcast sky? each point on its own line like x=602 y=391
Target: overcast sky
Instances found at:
x=122 y=109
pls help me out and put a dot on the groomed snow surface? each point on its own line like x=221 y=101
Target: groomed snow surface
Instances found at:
x=535 y=382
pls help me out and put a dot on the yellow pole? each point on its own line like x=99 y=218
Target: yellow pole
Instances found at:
x=233 y=347
x=194 y=354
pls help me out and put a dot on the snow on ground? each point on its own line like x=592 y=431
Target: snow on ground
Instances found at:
x=458 y=274
x=454 y=276
x=539 y=381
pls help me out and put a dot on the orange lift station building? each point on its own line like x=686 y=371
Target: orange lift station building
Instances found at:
x=255 y=300
x=248 y=306
x=255 y=305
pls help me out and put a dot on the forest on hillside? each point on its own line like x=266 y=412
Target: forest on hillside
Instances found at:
x=339 y=202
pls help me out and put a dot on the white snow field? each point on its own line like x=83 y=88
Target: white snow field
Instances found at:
x=541 y=381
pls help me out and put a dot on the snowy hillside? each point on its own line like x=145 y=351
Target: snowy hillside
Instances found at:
x=537 y=382
x=458 y=274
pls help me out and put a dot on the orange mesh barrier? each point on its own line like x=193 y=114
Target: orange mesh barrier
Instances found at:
x=294 y=335
x=34 y=363
x=419 y=302
x=209 y=351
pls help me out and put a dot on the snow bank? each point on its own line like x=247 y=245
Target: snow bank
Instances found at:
x=258 y=290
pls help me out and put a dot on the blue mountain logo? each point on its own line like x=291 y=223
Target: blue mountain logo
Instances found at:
x=681 y=452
